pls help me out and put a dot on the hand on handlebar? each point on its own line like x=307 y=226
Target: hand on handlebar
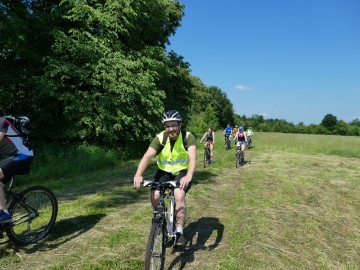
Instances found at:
x=138 y=180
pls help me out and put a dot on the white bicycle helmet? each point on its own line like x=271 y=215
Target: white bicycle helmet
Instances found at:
x=171 y=115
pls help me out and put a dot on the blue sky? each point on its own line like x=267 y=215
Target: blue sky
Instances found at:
x=296 y=60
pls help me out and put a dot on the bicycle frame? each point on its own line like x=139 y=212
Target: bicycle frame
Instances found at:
x=161 y=210
x=227 y=141
x=16 y=196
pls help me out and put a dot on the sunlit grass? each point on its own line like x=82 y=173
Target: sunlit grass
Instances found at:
x=346 y=146
x=295 y=206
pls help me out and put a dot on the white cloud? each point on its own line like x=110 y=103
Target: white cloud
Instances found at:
x=242 y=87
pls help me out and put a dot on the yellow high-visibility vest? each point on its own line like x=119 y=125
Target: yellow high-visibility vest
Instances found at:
x=175 y=160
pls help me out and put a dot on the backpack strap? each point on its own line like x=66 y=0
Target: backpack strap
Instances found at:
x=162 y=144
x=184 y=138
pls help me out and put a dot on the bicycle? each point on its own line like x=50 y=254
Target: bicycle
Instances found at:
x=34 y=212
x=227 y=142
x=207 y=157
x=239 y=157
x=163 y=225
x=249 y=141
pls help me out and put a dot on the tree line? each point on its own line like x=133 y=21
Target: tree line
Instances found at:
x=97 y=72
x=330 y=125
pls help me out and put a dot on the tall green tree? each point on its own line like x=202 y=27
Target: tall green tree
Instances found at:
x=341 y=128
x=177 y=83
x=105 y=72
x=222 y=106
x=329 y=121
x=25 y=39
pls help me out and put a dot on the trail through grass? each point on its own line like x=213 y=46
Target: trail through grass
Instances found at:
x=286 y=209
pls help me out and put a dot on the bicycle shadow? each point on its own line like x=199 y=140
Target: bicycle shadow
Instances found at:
x=66 y=228
x=198 y=234
x=244 y=163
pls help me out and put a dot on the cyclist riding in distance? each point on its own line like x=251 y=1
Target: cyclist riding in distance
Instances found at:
x=227 y=132
x=234 y=131
x=16 y=158
x=174 y=162
x=241 y=140
x=249 y=132
x=210 y=139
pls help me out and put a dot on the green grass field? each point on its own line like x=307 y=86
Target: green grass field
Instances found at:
x=293 y=205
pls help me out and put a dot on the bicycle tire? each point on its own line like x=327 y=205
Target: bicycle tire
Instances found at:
x=205 y=158
x=28 y=226
x=238 y=158
x=155 y=251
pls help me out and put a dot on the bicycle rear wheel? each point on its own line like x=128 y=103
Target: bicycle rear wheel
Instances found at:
x=155 y=251
x=34 y=215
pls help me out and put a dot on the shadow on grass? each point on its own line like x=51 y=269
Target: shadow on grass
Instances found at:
x=198 y=234
x=203 y=177
x=67 y=229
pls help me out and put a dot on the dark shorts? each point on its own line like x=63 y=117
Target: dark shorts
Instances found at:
x=162 y=176
x=19 y=164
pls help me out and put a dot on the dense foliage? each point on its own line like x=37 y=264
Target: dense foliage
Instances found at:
x=327 y=127
x=98 y=72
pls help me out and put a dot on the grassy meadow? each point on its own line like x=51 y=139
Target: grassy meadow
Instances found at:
x=293 y=205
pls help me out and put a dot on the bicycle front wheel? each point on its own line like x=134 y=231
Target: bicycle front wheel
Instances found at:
x=238 y=159
x=205 y=158
x=155 y=251
x=34 y=215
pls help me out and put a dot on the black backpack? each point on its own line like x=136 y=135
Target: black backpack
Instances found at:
x=165 y=136
x=22 y=124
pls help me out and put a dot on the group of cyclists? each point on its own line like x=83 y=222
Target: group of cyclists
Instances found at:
x=240 y=137
x=175 y=150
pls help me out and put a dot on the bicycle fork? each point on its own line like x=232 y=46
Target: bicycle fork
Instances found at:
x=170 y=219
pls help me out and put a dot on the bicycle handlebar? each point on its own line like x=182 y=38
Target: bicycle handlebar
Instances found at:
x=164 y=184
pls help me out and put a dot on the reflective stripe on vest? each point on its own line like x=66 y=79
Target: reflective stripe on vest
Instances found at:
x=175 y=160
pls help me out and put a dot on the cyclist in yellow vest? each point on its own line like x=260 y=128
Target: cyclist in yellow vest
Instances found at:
x=249 y=132
x=174 y=163
x=250 y=135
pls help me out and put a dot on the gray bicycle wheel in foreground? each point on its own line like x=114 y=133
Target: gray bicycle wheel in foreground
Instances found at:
x=155 y=252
